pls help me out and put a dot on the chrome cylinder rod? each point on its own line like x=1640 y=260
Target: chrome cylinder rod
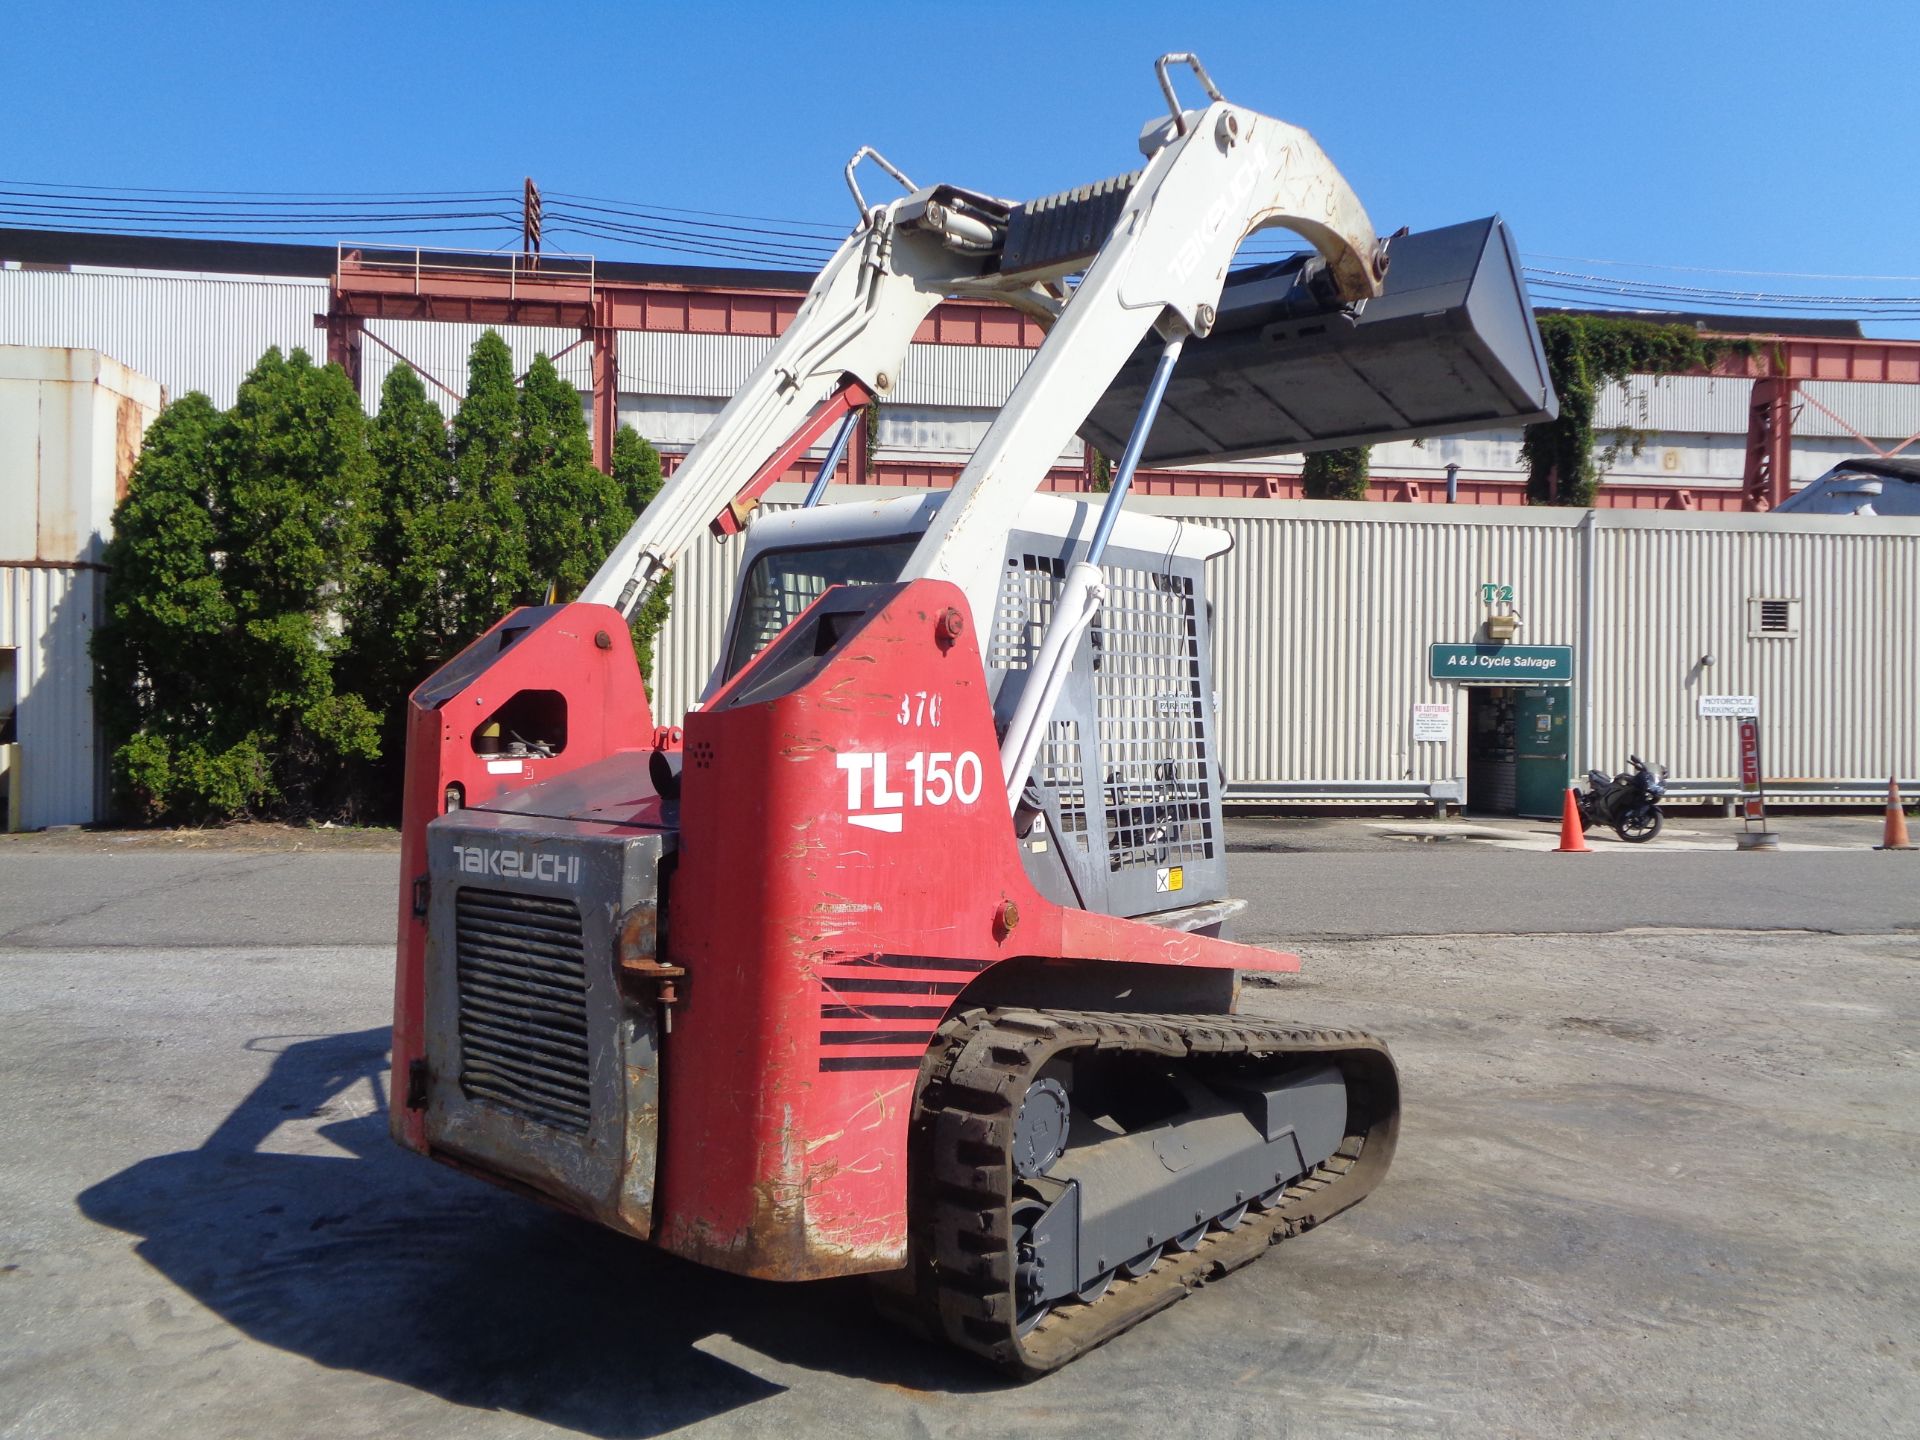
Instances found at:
x=817 y=490
x=1136 y=443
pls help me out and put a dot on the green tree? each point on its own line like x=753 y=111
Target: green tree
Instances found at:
x=1337 y=474
x=574 y=514
x=402 y=618
x=636 y=465
x=237 y=540
x=162 y=696
x=1585 y=354
x=483 y=533
x=295 y=491
x=636 y=470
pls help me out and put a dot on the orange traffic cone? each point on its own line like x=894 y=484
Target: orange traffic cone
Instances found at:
x=1573 y=840
x=1896 y=831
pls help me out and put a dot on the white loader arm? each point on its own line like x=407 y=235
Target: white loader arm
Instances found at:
x=857 y=320
x=1217 y=176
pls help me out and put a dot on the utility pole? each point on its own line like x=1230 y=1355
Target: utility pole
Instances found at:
x=530 y=224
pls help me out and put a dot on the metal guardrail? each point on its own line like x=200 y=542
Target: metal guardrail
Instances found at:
x=423 y=265
x=1448 y=792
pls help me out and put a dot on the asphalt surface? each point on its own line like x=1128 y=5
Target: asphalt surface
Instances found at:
x=1305 y=879
x=1659 y=1182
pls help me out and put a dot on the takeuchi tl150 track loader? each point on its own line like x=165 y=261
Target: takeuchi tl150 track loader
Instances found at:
x=905 y=957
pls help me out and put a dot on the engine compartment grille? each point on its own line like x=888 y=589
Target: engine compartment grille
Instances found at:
x=521 y=966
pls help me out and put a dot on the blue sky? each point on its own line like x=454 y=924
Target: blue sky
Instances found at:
x=1721 y=137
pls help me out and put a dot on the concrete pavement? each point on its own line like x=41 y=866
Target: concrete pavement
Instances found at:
x=1652 y=1182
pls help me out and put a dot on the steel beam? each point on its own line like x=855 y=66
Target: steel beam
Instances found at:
x=371 y=289
x=605 y=340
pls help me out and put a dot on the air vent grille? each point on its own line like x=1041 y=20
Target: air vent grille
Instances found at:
x=1776 y=617
x=523 y=1006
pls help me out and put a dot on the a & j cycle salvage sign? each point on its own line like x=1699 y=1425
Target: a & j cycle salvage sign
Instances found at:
x=1501 y=664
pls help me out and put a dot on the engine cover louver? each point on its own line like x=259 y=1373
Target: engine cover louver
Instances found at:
x=521 y=967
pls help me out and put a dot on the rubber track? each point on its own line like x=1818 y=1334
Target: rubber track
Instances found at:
x=960 y=1284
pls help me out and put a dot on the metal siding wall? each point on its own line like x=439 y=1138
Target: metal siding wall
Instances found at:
x=1323 y=620
x=1839 y=702
x=186 y=332
x=1325 y=611
x=689 y=643
x=441 y=349
x=47 y=617
x=668 y=363
x=712 y=366
x=1707 y=405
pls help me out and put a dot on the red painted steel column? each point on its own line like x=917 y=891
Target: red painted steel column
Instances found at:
x=606 y=393
x=857 y=450
x=1769 y=467
x=343 y=343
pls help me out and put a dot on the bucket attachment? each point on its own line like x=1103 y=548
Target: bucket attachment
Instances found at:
x=1449 y=347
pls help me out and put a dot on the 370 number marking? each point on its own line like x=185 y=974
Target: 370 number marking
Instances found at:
x=920 y=707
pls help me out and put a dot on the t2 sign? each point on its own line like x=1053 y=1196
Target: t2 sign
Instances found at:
x=1496 y=594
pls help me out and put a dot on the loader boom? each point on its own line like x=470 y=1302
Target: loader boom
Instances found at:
x=1213 y=177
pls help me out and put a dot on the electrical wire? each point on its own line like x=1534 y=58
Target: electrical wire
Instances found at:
x=763 y=241
x=1712 y=270
x=835 y=231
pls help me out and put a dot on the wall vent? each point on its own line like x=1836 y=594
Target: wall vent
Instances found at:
x=1773 y=618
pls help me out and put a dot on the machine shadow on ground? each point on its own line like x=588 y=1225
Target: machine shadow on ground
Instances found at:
x=382 y=1262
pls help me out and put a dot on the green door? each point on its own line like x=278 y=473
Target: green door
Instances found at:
x=1543 y=749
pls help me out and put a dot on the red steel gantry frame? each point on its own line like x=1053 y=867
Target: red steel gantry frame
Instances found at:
x=565 y=293
x=1777 y=365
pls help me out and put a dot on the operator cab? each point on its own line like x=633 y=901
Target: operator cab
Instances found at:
x=1122 y=813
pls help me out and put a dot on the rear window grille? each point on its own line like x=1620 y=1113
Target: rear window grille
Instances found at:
x=1024 y=608
x=1058 y=770
x=523 y=1006
x=1152 y=731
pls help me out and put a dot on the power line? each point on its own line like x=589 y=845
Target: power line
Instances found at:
x=1654 y=287
x=836 y=232
x=340 y=195
x=762 y=240
x=1713 y=270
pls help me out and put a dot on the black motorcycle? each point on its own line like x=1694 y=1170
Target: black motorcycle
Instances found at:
x=1629 y=801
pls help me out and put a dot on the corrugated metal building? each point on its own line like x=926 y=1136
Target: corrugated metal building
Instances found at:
x=204 y=331
x=1328 y=615
x=71 y=423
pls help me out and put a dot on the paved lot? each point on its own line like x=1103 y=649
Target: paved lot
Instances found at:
x=1659 y=1180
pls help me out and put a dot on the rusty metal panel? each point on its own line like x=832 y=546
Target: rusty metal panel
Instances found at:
x=71 y=422
x=70 y=427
